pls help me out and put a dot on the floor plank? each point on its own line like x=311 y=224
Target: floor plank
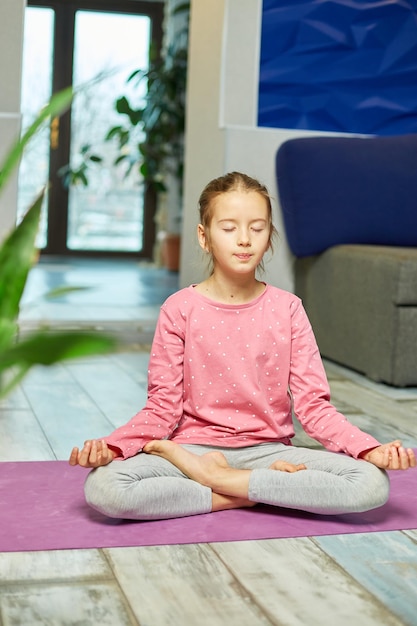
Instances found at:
x=385 y=563
x=401 y=414
x=412 y=534
x=297 y=583
x=111 y=388
x=135 y=364
x=15 y=400
x=56 y=565
x=22 y=438
x=67 y=415
x=186 y=584
x=65 y=605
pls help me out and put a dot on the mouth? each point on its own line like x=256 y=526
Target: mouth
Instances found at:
x=243 y=257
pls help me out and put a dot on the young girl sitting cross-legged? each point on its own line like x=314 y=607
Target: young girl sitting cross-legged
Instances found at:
x=232 y=358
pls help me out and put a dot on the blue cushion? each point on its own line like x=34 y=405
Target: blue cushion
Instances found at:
x=340 y=190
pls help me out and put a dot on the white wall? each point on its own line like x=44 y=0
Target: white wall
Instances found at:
x=11 y=21
x=204 y=145
x=221 y=128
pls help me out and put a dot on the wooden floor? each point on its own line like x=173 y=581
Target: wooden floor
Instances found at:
x=361 y=579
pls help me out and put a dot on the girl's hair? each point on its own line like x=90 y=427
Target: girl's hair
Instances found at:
x=233 y=181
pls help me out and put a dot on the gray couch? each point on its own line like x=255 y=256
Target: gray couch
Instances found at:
x=350 y=212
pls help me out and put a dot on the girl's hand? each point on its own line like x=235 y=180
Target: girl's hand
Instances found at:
x=93 y=454
x=390 y=456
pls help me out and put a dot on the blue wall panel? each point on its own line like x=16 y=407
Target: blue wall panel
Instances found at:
x=339 y=65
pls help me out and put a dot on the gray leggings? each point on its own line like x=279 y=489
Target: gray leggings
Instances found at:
x=147 y=487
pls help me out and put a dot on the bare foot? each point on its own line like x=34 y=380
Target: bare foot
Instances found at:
x=210 y=469
x=283 y=466
x=203 y=469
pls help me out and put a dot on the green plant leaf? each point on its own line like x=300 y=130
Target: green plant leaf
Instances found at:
x=123 y=106
x=140 y=73
x=17 y=255
x=58 y=292
x=182 y=8
x=64 y=290
x=79 y=177
x=57 y=105
x=113 y=132
x=120 y=159
x=8 y=329
x=144 y=170
x=46 y=348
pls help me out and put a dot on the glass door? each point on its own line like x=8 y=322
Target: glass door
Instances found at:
x=93 y=45
x=36 y=91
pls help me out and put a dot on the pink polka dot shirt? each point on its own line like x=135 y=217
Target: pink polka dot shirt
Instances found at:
x=231 y=375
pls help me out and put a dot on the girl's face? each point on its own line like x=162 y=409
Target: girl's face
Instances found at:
x=239 y=232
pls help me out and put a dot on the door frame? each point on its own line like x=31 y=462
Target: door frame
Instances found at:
x=64 y=23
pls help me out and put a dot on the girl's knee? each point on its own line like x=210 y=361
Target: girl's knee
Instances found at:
x=92 y=488
x=377 y=487
x=383 y=486
x=100 y=492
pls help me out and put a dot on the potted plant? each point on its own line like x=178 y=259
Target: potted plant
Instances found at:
x=17 y=255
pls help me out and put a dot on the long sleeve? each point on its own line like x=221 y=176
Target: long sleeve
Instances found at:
x=163 y=408
x=311 y=394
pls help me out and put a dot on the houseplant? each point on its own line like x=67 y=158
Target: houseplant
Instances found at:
x=17 y=255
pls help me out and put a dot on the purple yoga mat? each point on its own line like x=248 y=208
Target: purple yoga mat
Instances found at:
x=42 y=507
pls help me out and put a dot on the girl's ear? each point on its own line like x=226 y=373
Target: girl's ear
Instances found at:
x=202 y=239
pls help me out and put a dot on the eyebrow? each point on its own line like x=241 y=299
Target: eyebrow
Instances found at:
x=258 y=219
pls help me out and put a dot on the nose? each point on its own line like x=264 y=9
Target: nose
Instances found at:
x=244 y=238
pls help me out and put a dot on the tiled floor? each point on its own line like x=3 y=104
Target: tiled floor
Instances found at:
x=367 y=579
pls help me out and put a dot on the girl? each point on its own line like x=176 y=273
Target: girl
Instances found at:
x=232 y=357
